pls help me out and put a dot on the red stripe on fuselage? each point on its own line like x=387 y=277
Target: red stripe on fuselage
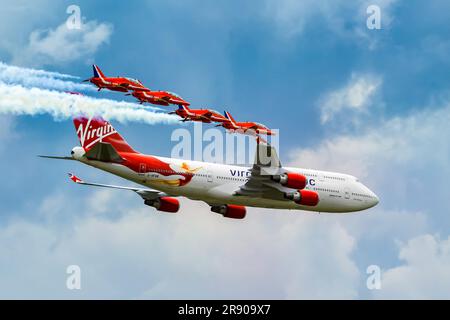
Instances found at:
x=141 y=163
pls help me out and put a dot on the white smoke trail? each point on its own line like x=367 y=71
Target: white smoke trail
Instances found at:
x=40 y=79
x=37 y=72
x=18 y=100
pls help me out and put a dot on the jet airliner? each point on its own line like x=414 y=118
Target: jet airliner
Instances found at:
x=228 y=189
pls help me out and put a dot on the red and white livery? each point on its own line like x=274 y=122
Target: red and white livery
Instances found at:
x=228 y=189
x=162 y=98
x=250 y=128
x=199 y=115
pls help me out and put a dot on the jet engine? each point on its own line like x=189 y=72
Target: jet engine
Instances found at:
x=291 y=180
x=230 y=211
x=166 y=204
x=304 y=197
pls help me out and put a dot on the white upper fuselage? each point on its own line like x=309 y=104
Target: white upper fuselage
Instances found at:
x=217 y=183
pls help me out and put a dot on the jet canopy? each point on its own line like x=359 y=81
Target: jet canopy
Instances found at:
x=260 y=125
x=133 y=80
x=174 y=94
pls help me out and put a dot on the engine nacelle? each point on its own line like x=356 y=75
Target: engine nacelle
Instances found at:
x=166 y=204
x=230 y=211
x=304 y=197
x=291 y=180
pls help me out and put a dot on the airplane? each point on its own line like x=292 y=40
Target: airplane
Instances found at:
x=250 y=128
x=200 y=115
x=163 y=98
x=121 y=84
x=227 y=189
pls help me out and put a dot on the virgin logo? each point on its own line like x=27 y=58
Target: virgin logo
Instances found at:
x=87 y=132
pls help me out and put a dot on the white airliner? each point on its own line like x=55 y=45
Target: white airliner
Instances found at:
x=227 y=189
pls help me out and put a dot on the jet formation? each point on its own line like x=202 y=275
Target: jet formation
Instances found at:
x=135 y=88
x=227 y=189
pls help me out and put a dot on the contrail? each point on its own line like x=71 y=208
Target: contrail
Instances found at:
x=41 y=79
x=19 y=100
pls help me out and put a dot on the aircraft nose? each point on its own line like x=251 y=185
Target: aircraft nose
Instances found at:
x=374 y=200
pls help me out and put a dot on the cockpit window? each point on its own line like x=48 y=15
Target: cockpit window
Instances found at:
x=261 y=125
x=133 y=80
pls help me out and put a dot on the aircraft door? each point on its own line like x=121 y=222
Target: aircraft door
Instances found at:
x=347 y=193
x=142 y=168
x=209 y=176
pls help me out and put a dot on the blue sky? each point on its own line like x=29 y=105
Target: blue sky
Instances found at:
x=373 y=103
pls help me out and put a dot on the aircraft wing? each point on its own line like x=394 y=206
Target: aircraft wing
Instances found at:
x=146 y=194
x=259 y=183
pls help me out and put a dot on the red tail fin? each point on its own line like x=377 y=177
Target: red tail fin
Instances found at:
x=97 y=72
x=229 y=117
x=93 y=130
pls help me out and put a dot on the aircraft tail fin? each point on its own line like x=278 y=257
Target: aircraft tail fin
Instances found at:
x=97 y=72
x=93 y=130
x=183 y=107
x=229 y=117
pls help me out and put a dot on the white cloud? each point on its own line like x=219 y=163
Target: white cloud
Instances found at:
x=424 y=274
x=417 y=142
x=356 y=96
x=193 y=254
x=62 y=45
x=405 y=161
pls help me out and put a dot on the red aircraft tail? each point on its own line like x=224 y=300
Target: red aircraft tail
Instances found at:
x=97 y=72
x=229 y=117
x=183 y=107
x=93 y=130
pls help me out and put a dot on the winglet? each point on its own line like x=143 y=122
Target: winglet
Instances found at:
x=74 y=178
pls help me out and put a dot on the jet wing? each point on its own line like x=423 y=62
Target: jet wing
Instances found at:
x=260 y=184
x=146 y=194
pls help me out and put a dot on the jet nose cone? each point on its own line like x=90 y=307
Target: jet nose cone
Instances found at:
x=374 y=200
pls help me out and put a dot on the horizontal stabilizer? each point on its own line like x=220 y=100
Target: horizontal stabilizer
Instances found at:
x=56 y=157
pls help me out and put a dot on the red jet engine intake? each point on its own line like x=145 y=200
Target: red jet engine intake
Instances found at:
x=304 y=197
x=291 y=180
x=166 y=204
x=230 y=211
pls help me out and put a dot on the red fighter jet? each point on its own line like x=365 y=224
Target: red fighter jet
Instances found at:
x=121 y=84
x=250 y=128
x=163 y=98
x=200 y=115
